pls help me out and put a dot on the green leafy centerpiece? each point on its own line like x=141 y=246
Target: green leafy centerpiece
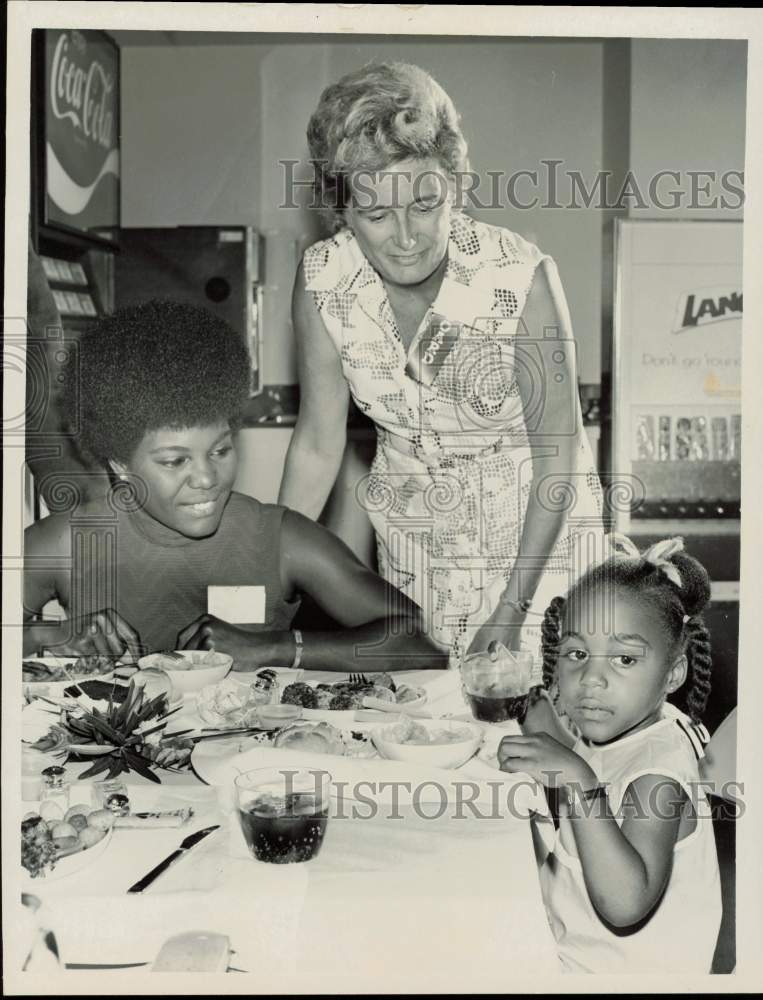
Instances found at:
x=123 y=736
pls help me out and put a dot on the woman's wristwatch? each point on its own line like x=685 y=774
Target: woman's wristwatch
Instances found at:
x=523 y=605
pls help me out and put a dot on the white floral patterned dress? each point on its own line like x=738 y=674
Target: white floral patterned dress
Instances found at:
x=449 y=484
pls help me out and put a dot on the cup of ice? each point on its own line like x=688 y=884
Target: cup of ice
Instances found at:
x=496 y=683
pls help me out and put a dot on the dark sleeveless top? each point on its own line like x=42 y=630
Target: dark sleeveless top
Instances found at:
x=157 y=579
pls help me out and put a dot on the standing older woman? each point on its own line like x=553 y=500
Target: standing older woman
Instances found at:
x=454 y=337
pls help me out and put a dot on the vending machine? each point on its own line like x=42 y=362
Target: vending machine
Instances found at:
x=219 y=268
x=675 y=467
x=74 y=222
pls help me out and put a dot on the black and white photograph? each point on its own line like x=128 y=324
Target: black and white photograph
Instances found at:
x=374 y=555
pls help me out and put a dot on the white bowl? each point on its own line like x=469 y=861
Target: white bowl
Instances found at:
x=445 y=755
x=70 y=865
x=189 y=679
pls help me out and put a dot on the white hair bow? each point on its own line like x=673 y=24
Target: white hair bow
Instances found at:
x=622 y=545
x=658 y=554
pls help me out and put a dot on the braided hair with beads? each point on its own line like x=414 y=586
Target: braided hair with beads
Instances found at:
x=677 y=589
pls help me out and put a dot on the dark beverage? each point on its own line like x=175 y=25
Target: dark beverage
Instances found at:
x=284 y=829
x=488 y=709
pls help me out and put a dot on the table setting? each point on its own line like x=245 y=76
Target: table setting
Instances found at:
x=232 y=811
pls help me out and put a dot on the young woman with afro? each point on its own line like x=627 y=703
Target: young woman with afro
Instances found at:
x=155 y=393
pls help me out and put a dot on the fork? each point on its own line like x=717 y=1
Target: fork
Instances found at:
x=359 y=679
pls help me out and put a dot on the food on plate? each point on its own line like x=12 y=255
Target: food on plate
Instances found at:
x=346 y=700
x=412 y=733
x=43 y=843
x=55 y=742
x=101 y=819
x=315 y=737
x=405 y=693
x=38 y=852
x=63 y=829
x=348 y=695
x=383 y=680
x=198 y=660
x=89 y=836
x=229 y=704
x=84 y=666
x=299 y=693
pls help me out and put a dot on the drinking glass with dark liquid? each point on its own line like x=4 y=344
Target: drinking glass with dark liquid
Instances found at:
x=283 y=813
x=497 y=686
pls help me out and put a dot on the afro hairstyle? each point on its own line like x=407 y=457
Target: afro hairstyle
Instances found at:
x=157 y=364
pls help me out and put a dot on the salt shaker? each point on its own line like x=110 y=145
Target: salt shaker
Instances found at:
x=55 y=787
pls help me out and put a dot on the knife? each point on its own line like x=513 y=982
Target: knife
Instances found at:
x=190 y=841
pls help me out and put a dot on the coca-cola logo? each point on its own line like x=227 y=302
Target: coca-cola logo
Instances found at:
x=81 y=92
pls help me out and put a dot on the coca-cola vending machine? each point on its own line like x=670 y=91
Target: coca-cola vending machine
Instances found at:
x=74 y=226
x=75 y=169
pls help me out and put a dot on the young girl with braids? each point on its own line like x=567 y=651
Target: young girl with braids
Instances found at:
x=630 y=877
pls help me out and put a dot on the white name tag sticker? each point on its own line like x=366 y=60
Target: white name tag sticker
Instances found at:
x=237 y=605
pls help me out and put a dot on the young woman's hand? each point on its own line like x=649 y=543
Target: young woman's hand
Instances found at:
x=250 y=650
x=545 y=759
x=103 y=632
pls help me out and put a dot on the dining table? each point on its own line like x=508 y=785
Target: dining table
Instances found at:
x=420 y=895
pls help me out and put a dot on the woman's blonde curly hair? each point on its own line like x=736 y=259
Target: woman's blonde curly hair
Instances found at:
x=376 y=116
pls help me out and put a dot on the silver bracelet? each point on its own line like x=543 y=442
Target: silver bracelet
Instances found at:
x=299 y=646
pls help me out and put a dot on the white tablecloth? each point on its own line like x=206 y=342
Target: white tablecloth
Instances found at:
x=409 y=904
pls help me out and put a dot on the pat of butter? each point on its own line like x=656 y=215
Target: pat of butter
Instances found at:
x=237 y=605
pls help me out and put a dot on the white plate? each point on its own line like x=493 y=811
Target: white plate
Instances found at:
x=55 y=689
x=342 y=717
x=67 y=866
x=207 y=753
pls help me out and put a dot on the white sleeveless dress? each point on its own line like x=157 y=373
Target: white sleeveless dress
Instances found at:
x=449 y=484
x=681 y=933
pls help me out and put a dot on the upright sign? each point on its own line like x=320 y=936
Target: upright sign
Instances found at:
x=676 y=395
x=81 y=130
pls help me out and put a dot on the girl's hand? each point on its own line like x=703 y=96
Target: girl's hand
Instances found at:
x=104 y=633
x=250 y=650
x=545 y=759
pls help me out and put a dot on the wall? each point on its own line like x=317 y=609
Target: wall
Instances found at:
x=687 y=113
x=206 y=126
x=191 y=135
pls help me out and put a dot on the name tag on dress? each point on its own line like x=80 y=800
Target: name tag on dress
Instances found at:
x=432 y=350
x=237 y=605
